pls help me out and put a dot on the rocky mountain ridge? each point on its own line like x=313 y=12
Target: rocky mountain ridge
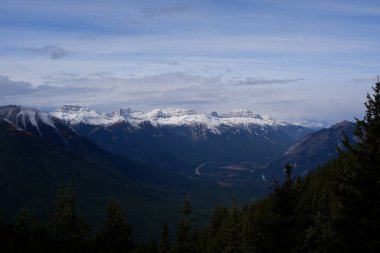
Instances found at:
x=74 y=114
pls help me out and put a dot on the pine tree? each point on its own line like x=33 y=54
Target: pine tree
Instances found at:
x=317 y=207
x=116 y=234
x=358 y=223
x=5 y=233
x=22 y=232
x=150 y=247
x=68 y=230
x=249 y=228
x=283 y=223
x=185 y=240
x=319 y=236
x=218 y=230
x=260 y=224
x=164 y=245
x=234 y=231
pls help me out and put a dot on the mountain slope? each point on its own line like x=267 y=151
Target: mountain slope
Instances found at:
x=175 y=117
x=314 y=149
x=33 y=165
x=171 y=137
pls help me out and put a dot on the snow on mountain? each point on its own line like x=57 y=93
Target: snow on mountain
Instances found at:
x=75 y=114
x=40 y=124
x=163 y=117
x=313 y=124
x=241 y=113
x=25 y=118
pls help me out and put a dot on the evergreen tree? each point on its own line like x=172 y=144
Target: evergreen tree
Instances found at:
x=22 y=232
x=150 y=247
x=317 y=207
x=284 y=216
x=217 y=238
x=68 y=230
x=234 y=231
x=319 y=236
x=5 y=232
x=358 y=223
x=164 y=245
x=259 y=227
x=249 y=228
x=185 y=238
x=116 y=234
x=27 y=234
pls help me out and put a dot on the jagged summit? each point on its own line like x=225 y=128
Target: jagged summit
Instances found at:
x=74 y=114
x=124 y=112
x=241 y=113
x=313 y=124
x=24 y=117
x=38 y=123
x=68 y=108
x=170 y=112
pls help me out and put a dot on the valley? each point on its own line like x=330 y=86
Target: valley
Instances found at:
x=156 y=161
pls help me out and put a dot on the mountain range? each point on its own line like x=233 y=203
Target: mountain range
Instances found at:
x=184 y=134
x=150 y=160
x=314 y=149
x=38 y=153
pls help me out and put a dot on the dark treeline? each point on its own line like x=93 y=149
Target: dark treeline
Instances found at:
x=335 y=208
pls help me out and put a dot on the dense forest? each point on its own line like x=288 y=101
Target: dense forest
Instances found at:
x=335 y=208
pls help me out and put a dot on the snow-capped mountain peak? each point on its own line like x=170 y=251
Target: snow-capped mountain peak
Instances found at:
x=128 y=112
x=241 y=113
x=73 y=108
x=38 y=123
x=25 y=117
x=164 y=117
x=75 y=114
x=169 y=112
x=312 y=124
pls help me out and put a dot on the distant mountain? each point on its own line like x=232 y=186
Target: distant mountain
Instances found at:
x=312 y=124
x=314 y=149
x=39 y=124
x=183 y=138
x=206 y=157
x=39 y=152
x=214 y=123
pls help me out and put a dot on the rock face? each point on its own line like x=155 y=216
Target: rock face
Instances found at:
x=213 y=123
x=314 y=149
x=40 y=124
x=182 y=138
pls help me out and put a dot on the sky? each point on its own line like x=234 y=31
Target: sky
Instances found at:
x=288 y=59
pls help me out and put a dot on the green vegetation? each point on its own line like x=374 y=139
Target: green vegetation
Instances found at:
x=336 y=208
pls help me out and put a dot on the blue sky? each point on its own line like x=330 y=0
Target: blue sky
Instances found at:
x=286 y=59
